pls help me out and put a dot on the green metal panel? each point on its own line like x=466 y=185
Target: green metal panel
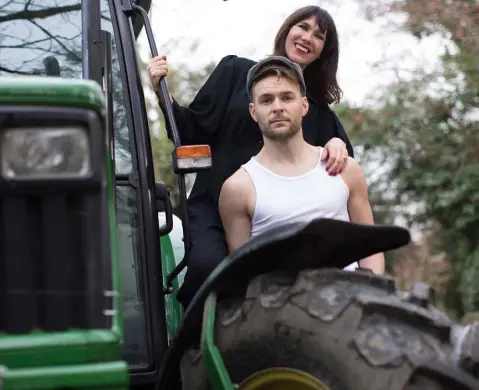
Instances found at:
x=111 y=376
x=214 y=364
x=172 y=252
x=47 y=349
x=65 y=350
x=174 y=312
x=32 y=90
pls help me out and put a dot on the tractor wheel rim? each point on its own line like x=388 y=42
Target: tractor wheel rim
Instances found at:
x=281 y=378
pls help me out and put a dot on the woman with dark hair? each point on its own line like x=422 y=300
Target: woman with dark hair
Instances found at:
x=219 y=116
x=320 y=74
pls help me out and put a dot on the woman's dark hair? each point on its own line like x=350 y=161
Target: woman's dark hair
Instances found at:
x=320 y=75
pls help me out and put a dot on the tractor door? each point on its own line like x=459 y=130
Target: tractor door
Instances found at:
x=140 y=260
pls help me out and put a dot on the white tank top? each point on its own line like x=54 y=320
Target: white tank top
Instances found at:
x=302 y=198
x=284 y=199
x=281 y=199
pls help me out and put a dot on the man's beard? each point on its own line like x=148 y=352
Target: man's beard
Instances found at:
x=280 y=134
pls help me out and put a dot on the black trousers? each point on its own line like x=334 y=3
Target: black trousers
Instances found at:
x=208 y=249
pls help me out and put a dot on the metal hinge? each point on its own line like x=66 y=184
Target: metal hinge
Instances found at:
x=110 y=311
x=134 y=180
x=128 y=6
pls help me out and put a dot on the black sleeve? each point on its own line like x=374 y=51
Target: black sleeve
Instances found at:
x=341 y=133
x=200 y=121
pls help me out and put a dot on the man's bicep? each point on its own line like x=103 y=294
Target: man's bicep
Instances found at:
x=237 y=230
x=358 y=204
x=360 y=212
x=234 y=216
x=359 y=208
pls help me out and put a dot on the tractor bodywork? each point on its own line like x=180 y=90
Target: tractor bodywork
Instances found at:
x=62 y=322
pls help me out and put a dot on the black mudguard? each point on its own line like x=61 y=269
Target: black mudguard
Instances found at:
x=323 y=243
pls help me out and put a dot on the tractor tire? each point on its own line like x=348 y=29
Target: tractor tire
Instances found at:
x=349 y=330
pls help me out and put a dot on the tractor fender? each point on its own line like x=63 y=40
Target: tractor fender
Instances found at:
x=322 y=243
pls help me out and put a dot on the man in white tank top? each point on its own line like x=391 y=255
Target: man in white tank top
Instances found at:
x=286 y=181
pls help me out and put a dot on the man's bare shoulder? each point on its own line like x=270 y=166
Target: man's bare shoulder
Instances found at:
x=237 y=187
x=352 y=167
x=238 y=183
x=353 y=174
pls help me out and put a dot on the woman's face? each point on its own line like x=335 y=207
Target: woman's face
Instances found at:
x=304 y=42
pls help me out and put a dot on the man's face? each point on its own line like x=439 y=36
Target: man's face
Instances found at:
x=278 y=107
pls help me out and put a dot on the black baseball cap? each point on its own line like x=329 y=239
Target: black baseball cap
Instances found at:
x=276 y=60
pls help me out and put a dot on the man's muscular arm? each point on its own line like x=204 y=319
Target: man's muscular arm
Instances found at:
x=360 y=210
x=233 y=208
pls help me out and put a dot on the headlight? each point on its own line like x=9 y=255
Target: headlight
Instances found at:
x=45 y=153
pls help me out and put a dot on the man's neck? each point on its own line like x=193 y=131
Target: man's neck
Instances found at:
x=288 y=151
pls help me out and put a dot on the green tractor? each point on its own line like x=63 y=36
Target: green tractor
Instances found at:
x=88 y=274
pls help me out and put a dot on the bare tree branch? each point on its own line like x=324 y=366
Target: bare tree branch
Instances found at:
x=6 y=70
x=39 y=14
x=26 y=45
x=6 y=4
x=27 y=5
x=71 y=54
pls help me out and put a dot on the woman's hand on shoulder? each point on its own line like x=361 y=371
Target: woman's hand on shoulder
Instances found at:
x=335 y=155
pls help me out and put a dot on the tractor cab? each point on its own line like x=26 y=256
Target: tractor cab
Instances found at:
x=88 y=275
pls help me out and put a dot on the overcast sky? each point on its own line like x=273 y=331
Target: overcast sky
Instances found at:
x=247 y=28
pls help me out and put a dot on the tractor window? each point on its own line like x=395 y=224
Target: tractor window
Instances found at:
x=122 y=141
x=40 y=37
x=135 y=343
x=135 y=350
x=44 y=38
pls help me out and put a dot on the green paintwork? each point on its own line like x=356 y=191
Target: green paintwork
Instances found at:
x=75 y=359
x=172 y=252
x=111 y=376
x=51 y=91
x=215 y=367
x=72 y=347
x=174 y=312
